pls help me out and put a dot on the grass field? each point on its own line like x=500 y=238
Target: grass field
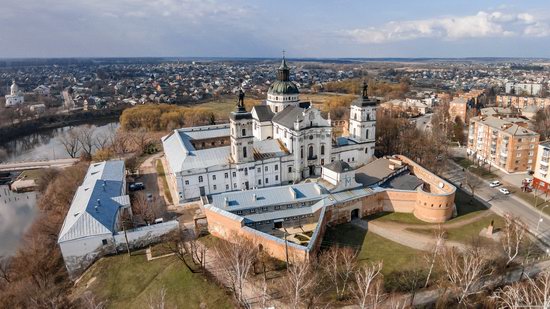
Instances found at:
x=166 y=189
x=373 y=248
x=131 y=282
x=480 y=171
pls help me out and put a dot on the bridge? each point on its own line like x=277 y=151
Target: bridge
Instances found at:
x=31 y=165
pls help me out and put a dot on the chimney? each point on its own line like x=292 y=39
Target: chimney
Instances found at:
x=104 y=183
x=292 y=193
x=254 y=197
x=225 y=202
x=97 y=205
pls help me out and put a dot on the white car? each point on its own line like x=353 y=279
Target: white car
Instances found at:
x=528 y=180
x=504 y=191
x=495 y=183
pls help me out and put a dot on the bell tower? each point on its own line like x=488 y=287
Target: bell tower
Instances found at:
x=240 y=124
x=362 y=120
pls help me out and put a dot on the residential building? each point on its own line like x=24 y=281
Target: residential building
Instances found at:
x=458 y=108
x=505 y=143
x=541 y=177
x=532 y=89
x=521 y=102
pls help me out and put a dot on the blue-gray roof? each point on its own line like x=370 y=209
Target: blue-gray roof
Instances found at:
x=96 y=202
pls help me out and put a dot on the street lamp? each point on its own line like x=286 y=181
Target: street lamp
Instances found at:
x=540 y=217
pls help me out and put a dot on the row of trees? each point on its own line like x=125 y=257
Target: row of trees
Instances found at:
x=163 y=117
x=377 y=88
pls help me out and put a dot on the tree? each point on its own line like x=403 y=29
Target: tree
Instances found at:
x=473 y=182
x=513 y=234
x=71 y=143
x=431 y=258
x=531 y=293
x=158 y=301
x=339 y=264
x=5 y=269
x=367 y=291
x=300 y=283
x=236 y=258
x=464 y=271
x=85 y=137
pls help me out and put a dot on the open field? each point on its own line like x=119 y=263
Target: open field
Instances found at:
x=124 y=281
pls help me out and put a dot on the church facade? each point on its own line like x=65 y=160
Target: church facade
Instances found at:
x=282 y=141
x=15 y=97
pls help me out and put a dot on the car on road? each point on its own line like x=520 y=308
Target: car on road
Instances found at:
x=504 y=191
x=528 y=180
x=494 y=184
x=137 y=186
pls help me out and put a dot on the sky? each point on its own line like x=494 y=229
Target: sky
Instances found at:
x=263 y=28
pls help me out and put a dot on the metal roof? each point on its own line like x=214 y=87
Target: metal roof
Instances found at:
x=96 y=202
x=262 y=113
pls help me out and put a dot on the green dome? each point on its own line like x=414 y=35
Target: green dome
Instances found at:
x=283 y=87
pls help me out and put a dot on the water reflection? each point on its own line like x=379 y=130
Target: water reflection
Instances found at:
x=46 y=145
x=17 y=211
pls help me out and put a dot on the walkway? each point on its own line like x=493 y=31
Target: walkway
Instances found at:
x=31 y=165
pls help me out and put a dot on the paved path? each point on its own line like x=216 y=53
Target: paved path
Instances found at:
x=30 y=165
x=505 y=204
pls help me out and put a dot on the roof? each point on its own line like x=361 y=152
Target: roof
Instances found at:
x=268 y=148
x=263 y=113
x=205 y=132
x=288 y=116
x=374 y=172
x=508 y=125
x=283 y=87
x=363 y=101
x=96 y=202
x=338 y=166
x=269 y=196
x=404 y=182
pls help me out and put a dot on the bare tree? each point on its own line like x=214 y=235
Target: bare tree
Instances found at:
x=368 y=286
x=301 y=281
x=513 y=234
x=236 y=258
x=464 y=271
x=531 y=293
x=473 y=182
x=158 y=301
x=339 y=264
x=5 y=269
x=431 y=258
x=89 y=301
x=141 y=139
x=102 y=140
x=71 y=143
x=86 y=138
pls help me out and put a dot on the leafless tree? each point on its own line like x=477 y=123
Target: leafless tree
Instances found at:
x=431 y=258
x=89 y=301
x=121 y=142
x=195 y=250
x=140 y=139
x=143 y=207
x=465 y=271
x=158 y=301
x=530 y=293
x=473 y=182
x=513 y=234
x=71 y=142
x=5 y=269
x=236 y=258
x=102 y=140
x=367 y=291
x=301 y=281
x=86 y=139
x=339 y=264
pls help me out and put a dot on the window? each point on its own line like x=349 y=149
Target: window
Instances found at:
x=244 y=132
x=226 y=175
x=244 y=152
x=259 y=169
x=215 y=188
x=200 y=178
x=310 y=152
x=266 y=168
x=104 y=242
x=259 y=182
x=302 y=152
x=276 y=177
x=266 y=181
x=518 y=155
x=234 y=174
x=322 y=161
x=290 y=169
x=213 y=177
x=367 y=133
x=187 y=182
x=226 y=187
x=276 y=167
x=322 y=150
x=234 y=186
x=246 y=172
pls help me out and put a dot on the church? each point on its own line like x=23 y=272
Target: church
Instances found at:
x=15 y=97
x=282 y=141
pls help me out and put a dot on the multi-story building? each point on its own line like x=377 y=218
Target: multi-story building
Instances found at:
x=279 y=142
x=458 y=108
x=523 y=88
x=505 y=143
x=521 y=102
x=541 y=177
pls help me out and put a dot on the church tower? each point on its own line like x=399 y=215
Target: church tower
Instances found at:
x=240 y=123
x=362 y=120
x=282 y=92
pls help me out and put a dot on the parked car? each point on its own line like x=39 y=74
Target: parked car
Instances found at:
x=137 y=186
x=528 y=180
x=495 y=183
x=504 y=191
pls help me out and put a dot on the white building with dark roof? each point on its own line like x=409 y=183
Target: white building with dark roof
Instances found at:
x=282 y=141
x=15 y=97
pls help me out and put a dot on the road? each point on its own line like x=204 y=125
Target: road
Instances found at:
x=30 y=165
x=422 y=122
x=505 y=204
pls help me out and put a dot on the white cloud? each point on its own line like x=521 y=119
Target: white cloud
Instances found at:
x=483 y=24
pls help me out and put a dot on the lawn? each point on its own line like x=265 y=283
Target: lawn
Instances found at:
x=480 y=171
x=373 y=248
x=531 y=199
x=130 y=282
x=395 y=217
x=166 y=189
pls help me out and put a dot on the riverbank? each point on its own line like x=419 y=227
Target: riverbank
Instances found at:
x=50 y=122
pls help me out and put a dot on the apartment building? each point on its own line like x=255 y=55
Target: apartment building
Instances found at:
x=505 y=143
x=458 y=108
x=521 y=102
x=541 y=177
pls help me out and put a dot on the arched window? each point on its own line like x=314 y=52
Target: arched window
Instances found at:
x=244 y=132
x=354 y=116
x=366 y=150
x=244 y=152
x=276 y=109
x=367 y=133
x=322 y=150
x=310 y=152
x=368 y=117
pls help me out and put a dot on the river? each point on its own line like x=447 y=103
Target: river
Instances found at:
x=18 y=210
